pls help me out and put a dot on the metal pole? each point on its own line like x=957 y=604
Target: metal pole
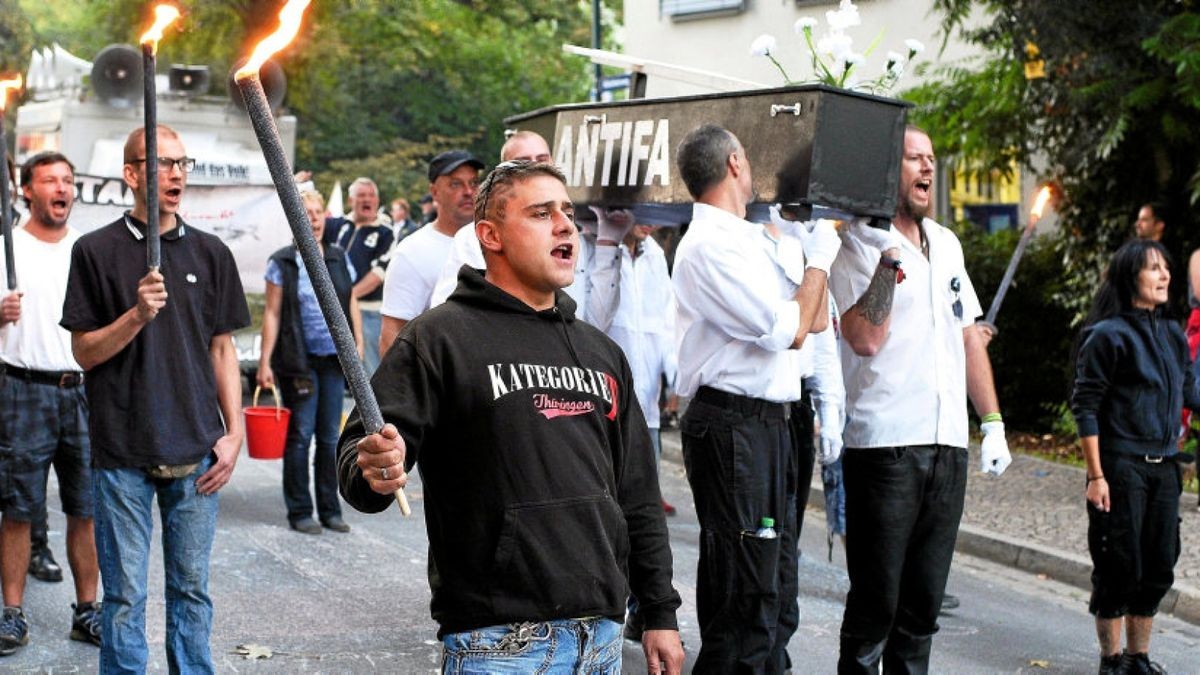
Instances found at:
x=153 y=252
x=289 y=197
x=990 y=319
x=596 y=45
x=6 y=205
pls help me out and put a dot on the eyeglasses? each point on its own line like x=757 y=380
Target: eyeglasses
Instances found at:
x=185 y=164
x=457 y=185
x=501 y=170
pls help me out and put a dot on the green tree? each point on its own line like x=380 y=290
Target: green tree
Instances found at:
x=1113 y=117
x=374 y=84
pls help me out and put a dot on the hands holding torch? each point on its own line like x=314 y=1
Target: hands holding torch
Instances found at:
x=247 y=79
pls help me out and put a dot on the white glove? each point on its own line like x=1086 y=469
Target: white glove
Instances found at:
x=612 y=225
x=821 y=244
x=994 y=449
x=792 y=227
x=831 y=434
x=874 y=237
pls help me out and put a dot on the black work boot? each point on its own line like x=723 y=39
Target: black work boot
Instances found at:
x=1113 y=664
x=43 y=567
x=1140 y=664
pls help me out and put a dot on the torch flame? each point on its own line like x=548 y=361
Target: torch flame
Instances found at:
x=164 y=15
x=1039 y=203
x=289 y=25
x=5 y=85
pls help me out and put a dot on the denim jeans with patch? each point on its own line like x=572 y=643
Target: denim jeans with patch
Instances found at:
x=565 y=646
x=124 y=523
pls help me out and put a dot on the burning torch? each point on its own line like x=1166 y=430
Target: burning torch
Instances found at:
x=248 y=83
x=6 y=182
x=164 y=15
x=1035 y=214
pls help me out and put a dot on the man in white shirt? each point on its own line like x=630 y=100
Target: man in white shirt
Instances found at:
x=637 y=310
x=526 y=146
x=914 y=357
x=416 y=261
x=745 y=306
x=43 y=407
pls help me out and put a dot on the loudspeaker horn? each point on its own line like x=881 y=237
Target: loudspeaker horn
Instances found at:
x=117 y=75
x=189 y=80
x=273 y=80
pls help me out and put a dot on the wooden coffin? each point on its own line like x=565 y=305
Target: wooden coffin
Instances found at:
x=809 y=145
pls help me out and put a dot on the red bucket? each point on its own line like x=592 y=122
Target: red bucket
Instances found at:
x=266 y=427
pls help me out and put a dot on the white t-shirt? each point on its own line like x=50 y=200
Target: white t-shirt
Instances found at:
x=914 y=390
x=465 y=251
x=413 y=271
x=36 y=341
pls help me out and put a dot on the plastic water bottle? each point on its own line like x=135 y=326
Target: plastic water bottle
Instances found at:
x=766 y=529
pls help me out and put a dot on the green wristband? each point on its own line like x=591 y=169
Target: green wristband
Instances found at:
x=992 y=417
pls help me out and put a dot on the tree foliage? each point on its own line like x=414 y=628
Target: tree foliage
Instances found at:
x=1113 y=118
x=374 y=84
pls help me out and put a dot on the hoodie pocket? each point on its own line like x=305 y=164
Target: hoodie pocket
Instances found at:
x=561 y=558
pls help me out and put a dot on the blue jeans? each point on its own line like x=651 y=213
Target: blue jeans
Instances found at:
x=372 y=324
x=565 y=646
x=320 y=412
x=123 y=528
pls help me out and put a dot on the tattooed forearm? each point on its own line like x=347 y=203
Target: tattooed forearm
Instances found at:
x=875 y=305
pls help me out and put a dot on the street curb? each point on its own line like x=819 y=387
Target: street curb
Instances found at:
x=1182 y=601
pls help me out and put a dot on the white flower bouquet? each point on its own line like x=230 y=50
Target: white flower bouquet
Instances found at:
x=833 y=59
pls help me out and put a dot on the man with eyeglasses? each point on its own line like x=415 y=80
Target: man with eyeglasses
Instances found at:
x=533 y=548
x=415 y=263
x=161 y=375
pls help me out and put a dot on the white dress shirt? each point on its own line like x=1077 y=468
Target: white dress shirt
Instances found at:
x=914 y=390
x=632 y=302
x=737 y=314
x=821 y=369
x=465 y=250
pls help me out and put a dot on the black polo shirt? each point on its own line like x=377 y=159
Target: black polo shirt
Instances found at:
x=155 y=401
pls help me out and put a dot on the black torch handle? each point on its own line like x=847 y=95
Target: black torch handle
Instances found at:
x=289 y=197
x=153 y=250
x=6 y=206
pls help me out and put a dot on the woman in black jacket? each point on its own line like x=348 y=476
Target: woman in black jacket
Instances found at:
x=1133 y=375
x=297 y=348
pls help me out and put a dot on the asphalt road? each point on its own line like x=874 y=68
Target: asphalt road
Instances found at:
x=358 y=602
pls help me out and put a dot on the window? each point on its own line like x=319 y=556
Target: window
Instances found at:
x=694 y=9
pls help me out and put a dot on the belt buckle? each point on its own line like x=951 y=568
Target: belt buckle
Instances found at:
x=69 y=380
x=1152 y=459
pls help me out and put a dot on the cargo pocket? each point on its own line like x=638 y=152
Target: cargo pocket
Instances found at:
x=561 y=558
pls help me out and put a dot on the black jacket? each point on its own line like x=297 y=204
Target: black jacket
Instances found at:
x=541 y=494
x=1133 y=377
x=290 y=357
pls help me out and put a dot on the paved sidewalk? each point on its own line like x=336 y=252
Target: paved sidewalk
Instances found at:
x=1033 y=518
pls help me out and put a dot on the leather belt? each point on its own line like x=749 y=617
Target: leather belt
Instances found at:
x=64 y=379
x=743 y=404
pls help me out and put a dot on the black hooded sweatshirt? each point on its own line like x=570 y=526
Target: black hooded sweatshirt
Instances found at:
x=1132 y=377
x=541 y=494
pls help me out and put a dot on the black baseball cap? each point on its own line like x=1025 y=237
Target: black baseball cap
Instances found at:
x=449 y=161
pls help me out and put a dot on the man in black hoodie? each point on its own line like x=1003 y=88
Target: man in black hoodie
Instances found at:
x=536 y=545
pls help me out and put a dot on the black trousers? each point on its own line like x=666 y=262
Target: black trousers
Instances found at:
x=903 y=507
x=741 y=461
x=1135 y=545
